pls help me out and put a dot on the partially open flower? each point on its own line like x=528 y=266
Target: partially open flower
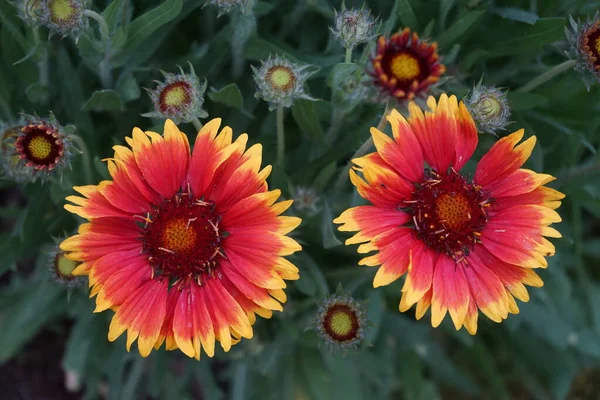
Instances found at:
x=178 y=97
x=341 y=322
x=37 y=148
x=353 y=27
x=279 y=82
x=584 y=41
x=405 y=66
x=64 y=17
x=489 y=107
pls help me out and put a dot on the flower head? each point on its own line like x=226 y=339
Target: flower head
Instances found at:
x=187 y=248
x=64 y=17
x=61 y=268
x=489 y=107
x=36 y=149
x=341 y=321
x=466 y=244
x=405 y=66
x=178 y=97
x=353 y=27
x=584 y=42
x=280 y=82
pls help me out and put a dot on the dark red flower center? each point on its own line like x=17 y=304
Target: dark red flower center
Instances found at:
x=448 y=212
x=175 y=96
x=404 y=66
x=592 y=42
x=40 y=146
x=341 y=323
x=182 y=238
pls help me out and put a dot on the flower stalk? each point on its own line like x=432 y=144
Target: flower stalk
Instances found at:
x=548 y=75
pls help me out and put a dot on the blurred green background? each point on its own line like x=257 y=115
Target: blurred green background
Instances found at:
x=53 y=347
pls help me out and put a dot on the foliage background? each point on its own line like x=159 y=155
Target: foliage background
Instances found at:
x=551 y=350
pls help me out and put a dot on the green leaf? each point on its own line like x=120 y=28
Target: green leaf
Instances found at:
x=391 y=22
x=328 y=230
x=407 y=15
x=459 y=28
x=230 y=96
x=26 y=314
x=521 y=101
x=515 y=14
x=521 y=38
x=104 y=100
x=311 y=282
x=306 y=117
x=445 y=7
x=146 y=24
x=324 y=176
x=113 y=12
x=316 y=375
x=127 y=87
x=37 y=93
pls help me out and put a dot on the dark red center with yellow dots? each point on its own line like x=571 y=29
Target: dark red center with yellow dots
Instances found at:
x=448 y=212
x=592 y=43
x=341 y=323
x=404 y=66
x=182 y=238
x=40 y=146
x=175 y=96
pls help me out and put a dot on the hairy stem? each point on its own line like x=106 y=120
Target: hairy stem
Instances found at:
x=546 y=76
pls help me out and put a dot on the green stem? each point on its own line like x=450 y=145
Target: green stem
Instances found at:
x=197 y=123
x=366 y=146
x=280 y=136
x=44 y=76
x=546 y=76
x=348 y=59
x=104 y=65
x=87 y=163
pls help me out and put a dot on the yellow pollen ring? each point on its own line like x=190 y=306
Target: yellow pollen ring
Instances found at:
x=281 y=77
x=492 y=106
x=178 y=236
x=341 y=323
x=175 y=96
x=454 y=210
x=40 y=147
x=405 y=67
x=61 y=10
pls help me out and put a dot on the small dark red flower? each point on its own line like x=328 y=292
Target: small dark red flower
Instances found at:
x=405 y=66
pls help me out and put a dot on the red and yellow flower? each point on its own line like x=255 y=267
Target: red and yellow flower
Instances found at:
x=405 y=66
x=465 y=244
x=185 y=248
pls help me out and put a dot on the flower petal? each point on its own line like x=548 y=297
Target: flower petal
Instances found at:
x=450 y=292
x=370 y=221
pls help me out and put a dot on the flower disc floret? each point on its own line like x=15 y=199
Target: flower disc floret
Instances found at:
x=405 y=66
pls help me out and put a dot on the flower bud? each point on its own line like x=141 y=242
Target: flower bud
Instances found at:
x=584 y=47
x=353 y=27
x=306 y=199
x=279 y=82
x=37 y=149
x=178 y=97
x=341 y=322
x=61 y=268
x=489 y=108
x=64 y=17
